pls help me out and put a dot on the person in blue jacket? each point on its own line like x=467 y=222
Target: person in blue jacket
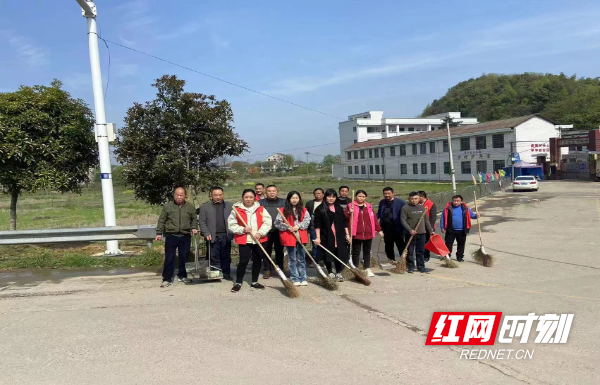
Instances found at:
x=389 y=217
x=456 y=223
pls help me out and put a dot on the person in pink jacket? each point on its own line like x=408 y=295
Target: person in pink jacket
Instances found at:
x=364 y=227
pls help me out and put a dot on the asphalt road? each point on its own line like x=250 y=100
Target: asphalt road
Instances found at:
x=121 y=328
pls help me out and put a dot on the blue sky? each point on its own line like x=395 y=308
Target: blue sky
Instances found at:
x=340 y=57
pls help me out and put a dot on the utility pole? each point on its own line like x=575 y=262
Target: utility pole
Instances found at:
x=383 y=160
x=512 y=161
x=451 y=160
x=306 y=163
x=88 y=9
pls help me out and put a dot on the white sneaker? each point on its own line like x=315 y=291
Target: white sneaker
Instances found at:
x=370 y=273
x=304 y=283
x=339 y=277
x=331 y=275
x=297 y=283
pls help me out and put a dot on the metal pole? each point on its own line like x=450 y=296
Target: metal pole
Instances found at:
x=512 y=161
x=451 y=160
x=383 y=165
x=307 y=163
x=89 y=10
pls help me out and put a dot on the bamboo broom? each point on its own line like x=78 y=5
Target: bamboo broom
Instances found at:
x=289 y=287
x=324 y=280
x=401 y=267
x=346 y=273
x=355 y=271
x=479 y=255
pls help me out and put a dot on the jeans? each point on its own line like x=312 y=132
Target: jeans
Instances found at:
x=273 y=241
x=391 y=237
x=365 y=245
x=461 y=239
x=416 y=251
x=175 y=243
x=297 y=263
x=220 y=253
x=313 y=251
x=247 y=252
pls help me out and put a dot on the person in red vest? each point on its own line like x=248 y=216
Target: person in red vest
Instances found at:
x=431 y=215
x=259 y=189
x=456 y=223
x=299 y=219
x=248 y=237
x=364 y=226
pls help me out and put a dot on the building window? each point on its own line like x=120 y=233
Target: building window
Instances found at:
x=383 y=169
x=403 y=169
x=423 y=168
x=465 y=144
x=415 y=168
x=356 y=170
x=370 y=154
x=353 y=129
x=348 y=155
x=362 y=154
x=372 y=130
x=480 y=143
x=447 y=168
x=414 y=149
x=376 y=169
x=446 y=148
x=392 y=129
x=423 y=148
x=481 y=166
x=411 y=128
x=498 y=165
x=433 y=168
x=498 y=141
x=402 y=150
x=432 y=147
x=355 y=141
x=349 y=169
x=371 y=169
x=392 y=151
x=465 y=167
x=363 y=169
x=376 y=153
x=401 y=129
x=355 y=154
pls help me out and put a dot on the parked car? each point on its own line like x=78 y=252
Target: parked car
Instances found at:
x=526 y=183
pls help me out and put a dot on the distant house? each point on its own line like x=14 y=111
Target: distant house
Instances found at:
x=276 y=158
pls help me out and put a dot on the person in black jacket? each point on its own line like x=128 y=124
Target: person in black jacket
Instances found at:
x=343 y=199
x=213 y=225
x=331 y=227
x=311 y=206
x=271 y=203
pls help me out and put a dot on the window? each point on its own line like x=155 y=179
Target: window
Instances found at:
x=372 y=130
x=383 y=169
x=415 y=168
x=402 y=150
x=414 y=149
x=353 y=129
x=392 y=151
x=349 y=169
x=363 y=169
x=447 y=168
x=498 y=165
x=362 y=154
x=465 y=167
x=376 y=153
x=355 y=141
x=423 y=168
x=465 y=144
x=423 y=148
x=376 y=169
x=411 y=128
x=403 y=169
x=480 y=143
x=402 y=129
x=348 y=155
x=432 y=147
x=371 y=169
x=355 y=154
x=356 y=170
x=446 y=148
x=498 y=141
x=433 y=168
x=392 y=129
x=370 y=153
x=481 y=166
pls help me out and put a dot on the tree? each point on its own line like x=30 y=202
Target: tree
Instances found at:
x=46 y=142
x=288 y=162
x=175 y=140
x=328 y=160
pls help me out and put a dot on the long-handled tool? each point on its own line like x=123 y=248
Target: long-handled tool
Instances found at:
x=376 y=258
x=323 y=279
x=401 y=267
x=357 y=275
x=289 y=287
x=347 y=274
x=479 y=255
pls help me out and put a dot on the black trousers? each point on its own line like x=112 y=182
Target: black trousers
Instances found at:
x=173 y=244
x=427 y=253
x=416 y=252
x=365 y=245
x=461 y=239
x=220 y=253
x=248 y=252
x=391 y=237
x=273 y=242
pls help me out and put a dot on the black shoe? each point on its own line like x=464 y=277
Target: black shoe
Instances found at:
x=410 y=270
x=227 y=277
x=460 y=259
x=423 y=271
x=426 y=259
x=257 y=286
x=236 y=287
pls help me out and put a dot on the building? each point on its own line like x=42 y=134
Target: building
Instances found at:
x=483 y=147
x=276 y=158
x=575 y=155
x=372 y=125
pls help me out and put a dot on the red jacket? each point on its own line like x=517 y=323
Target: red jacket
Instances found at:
x=288 y=238
x=364 y=225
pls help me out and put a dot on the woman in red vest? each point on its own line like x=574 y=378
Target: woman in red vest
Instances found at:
x=299 y=219
x=247 y=237
x=364 y=226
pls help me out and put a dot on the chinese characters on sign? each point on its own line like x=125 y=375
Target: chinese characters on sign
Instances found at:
x=540 y=147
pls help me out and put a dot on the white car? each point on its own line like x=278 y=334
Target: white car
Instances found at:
x=525 y=183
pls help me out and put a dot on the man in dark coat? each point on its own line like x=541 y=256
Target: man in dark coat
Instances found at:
x=389 y=217
x=271 y=203
x=213 y=224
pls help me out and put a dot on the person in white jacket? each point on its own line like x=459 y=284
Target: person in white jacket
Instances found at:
x=248 y=237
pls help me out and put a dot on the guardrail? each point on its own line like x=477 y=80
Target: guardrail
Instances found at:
x=116 y=233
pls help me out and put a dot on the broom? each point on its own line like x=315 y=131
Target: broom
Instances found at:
x=401 y=265
x=346 y=273
x=289 y=287
x=479 y=255
x=324 y=280
x=357 y=275
x=375 y=260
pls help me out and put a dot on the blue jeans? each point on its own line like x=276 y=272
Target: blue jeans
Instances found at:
x=220 y=253
x=313 y=251
x=297 y=262
x=416 y=251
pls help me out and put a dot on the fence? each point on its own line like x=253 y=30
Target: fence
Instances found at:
x=482 y=189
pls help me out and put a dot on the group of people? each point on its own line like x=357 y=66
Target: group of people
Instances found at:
x=334 y=223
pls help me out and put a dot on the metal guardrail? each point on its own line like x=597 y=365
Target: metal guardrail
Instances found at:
x=116 y=233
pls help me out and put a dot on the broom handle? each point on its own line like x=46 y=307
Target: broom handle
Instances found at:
x=477 y=212
x=297 y=238
x=334 y=256
x=259 y=244
x=412 y=236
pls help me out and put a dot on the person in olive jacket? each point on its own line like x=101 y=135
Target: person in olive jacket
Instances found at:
x=177 y=220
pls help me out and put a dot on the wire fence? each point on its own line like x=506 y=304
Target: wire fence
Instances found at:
x=482 y=190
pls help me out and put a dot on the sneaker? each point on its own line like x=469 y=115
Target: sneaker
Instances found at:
x=236 y=287
x=184 y=280
x=267 y=275
x=166 y=283
x=423 y=271
x=460 y=259
x=331 y=275
x=297 y=283
x=257 y=286
x=411 y=270
x=227 y=278
x=339 y=277
x=370 y=273
x=303 y=283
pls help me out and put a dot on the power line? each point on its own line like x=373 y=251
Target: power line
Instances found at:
x=223 y=80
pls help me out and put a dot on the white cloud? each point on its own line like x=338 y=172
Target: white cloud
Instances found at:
x=27 y=50
x=126 y=70
x=78 y=81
